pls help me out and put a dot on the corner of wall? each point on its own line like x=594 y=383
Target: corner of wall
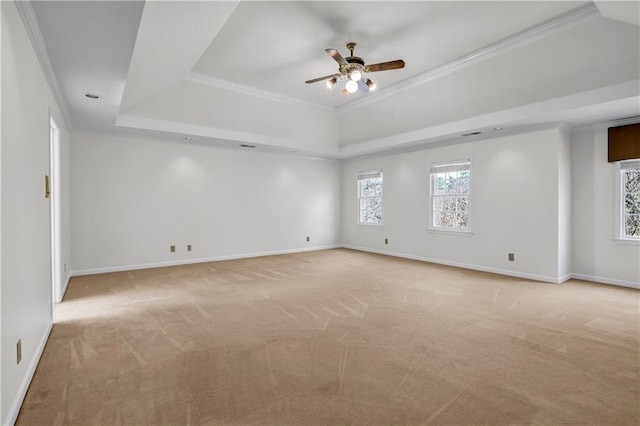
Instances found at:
x=564 y=204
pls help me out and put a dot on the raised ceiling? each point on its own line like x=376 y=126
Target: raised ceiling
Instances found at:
x=276 y=47
x=233 y=72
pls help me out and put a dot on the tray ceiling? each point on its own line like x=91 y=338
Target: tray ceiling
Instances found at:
x=235 y=70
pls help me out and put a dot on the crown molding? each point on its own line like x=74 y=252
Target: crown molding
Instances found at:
x=223 y=137
x=32 y=27
x=562 y=22
x=251 y=91
x=554 y=25
x=625 y=121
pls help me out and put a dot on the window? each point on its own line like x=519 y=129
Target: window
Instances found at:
x=450 y=190
x=370 y=198
x=630 y=200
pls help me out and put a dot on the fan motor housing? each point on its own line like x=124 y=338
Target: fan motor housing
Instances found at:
x=355 y=60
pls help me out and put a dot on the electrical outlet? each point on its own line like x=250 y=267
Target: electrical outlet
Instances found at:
x=308 y=239
x=172 y=249
x=188 y=247
x=19 y=351
x=386 y=241
x=512 y=257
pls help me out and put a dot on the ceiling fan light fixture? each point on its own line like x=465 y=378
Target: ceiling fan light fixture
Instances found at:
x=354 y=70
x=371 y=84
x=351 y=86
x=355 y=75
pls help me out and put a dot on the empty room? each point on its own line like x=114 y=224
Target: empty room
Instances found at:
x=319 y=212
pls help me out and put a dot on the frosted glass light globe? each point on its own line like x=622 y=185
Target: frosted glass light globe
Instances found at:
x=351 y=86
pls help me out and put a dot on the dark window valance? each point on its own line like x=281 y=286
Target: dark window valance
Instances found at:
x=624 y=142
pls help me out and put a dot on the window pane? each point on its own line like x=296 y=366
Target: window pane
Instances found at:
x=632 y=203
x=360 y=188
x=438 y=184
x=462 y=220
x=377 y=187
x=373 y=211
x=363 y=204
x=367 y=191
x=373 y=203
x=462 y=203
x=463 y=183
x=370 y=187
x=449 y=204
x=632 y=180
x=450 y=220
x=632 y=226
x=450 y=183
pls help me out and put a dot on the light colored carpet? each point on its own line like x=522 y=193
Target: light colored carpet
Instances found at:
x=334 y=337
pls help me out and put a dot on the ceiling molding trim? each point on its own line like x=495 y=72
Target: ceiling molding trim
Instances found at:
x=535 y=114
x=145 y=123
x=554 y=25
x=32 y=26
x=625 y=121
x=251 y=91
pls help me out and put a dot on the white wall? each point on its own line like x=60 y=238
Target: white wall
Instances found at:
x=134 y=197
x=26 y=290
x=596 y=256
x=514 y=205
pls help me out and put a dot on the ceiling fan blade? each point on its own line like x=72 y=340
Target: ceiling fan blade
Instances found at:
x=384 y=66
x=337 y=56
x=315 y=80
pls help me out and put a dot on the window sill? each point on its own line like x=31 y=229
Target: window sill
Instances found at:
x=379 y=225
x=450 y=232
x=627 y=241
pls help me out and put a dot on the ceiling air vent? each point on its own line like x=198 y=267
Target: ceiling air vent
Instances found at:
x=472 y=134
x=244 y=145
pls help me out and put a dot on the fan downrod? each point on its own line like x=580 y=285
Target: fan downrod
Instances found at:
x=351 y=46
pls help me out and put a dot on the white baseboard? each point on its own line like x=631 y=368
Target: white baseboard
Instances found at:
x=14 y=410
x=64 y=288
x=555 y=280
x=605 y=280
x=525 y=275
x=199 y=260
x=564 y=278
x=535 y=277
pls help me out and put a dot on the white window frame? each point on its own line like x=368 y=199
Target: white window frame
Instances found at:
x=620 y=237
x=369 y=175
x=439 y=167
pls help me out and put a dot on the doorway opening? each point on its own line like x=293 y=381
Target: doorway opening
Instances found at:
x=54 y=167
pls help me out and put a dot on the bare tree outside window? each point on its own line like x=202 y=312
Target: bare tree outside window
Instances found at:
x=631 y=200
x=450 y=190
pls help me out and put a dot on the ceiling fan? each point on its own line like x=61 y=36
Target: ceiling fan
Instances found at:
x=352 y=68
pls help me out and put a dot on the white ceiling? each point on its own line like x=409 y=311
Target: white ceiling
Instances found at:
x=235 y=70
x=89 y=46
x=278 y=46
